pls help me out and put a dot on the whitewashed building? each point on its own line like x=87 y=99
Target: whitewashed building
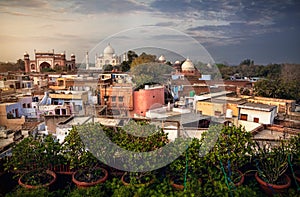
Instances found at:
x=256 y=112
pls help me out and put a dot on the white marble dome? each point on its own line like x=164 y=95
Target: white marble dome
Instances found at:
x=187 y=65
x=108 y=50
x=162 y=58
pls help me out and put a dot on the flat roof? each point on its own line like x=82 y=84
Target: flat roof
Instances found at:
x=257 y=106
x=9 y=103
x=75 y=120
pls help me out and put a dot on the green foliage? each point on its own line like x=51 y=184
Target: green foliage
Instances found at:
x=245 y=70
x=154 y=73
x=277 y=88
x=228 y=148
x=272 y=161
x=294 y=146
x=20 y=191
x=247 y=62
x=142 y=59
x=108 y=67
x=9 y=66
x=73 y=148
x=125 y=66
x=33 y=153
x=48 y=70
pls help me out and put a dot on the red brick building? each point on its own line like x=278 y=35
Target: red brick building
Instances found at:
x=51 y=60
x=148 y=98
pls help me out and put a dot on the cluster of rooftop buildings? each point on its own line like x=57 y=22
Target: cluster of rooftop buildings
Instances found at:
x=49 y=103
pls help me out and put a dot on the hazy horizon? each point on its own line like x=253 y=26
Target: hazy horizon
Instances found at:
x=230 y=31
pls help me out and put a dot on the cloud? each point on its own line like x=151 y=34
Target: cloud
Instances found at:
x=27 y=3
x=104 y=6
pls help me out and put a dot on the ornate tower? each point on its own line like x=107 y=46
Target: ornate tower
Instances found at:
x=87 y=60
x=27 y=62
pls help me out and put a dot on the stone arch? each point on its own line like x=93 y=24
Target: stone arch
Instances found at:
x=45 y=65
x=32 y=66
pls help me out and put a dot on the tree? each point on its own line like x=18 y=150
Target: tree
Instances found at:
x=277 y=88
x=150 y=73
x=131 y=55
x=125 y=66
x=247 y=62
x=142 y=59
x=20 y=64
x=107 y=67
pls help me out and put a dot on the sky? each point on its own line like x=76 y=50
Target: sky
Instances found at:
x=266 y=31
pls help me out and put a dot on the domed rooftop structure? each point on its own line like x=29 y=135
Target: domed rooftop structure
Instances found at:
x=162 y=58
x=108 y=50
x=177 y=62
x=188 y=65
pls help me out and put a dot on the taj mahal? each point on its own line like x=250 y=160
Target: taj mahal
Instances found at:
x=108 y=57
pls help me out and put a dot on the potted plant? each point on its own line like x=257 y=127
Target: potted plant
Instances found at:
x=139 y=137
x=188 y=166
x=30 y=160
x=272 y=163
x=39 y=178
x=295 y=156
x=231 y=148
x=87 y=171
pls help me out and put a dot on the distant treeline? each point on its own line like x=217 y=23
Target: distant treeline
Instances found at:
x=244 y=70
x=10 y=66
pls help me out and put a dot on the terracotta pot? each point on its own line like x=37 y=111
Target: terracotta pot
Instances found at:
x=38 y=186
x=81 y=184
x=136 y=185
x=297 y=175
x=176 y=186
x=241 y=180
x=271 y=189
x=180 y=186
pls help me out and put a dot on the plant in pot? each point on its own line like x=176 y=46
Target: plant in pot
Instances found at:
x=139 y=137
x=30 y=160
x=85 y=165
x=272 y=163
x=231 y=148
x=295 y=156
x=188 y=167
x=89 y=172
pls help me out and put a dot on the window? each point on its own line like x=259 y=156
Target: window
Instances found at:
x=120 y=98
x=57 y=111
x=28 y=105
x=78 y=108
x=63 y=111
x=256 y=120
x=217 y=113
x=24 y=105
x=244 y=117
x=113 y=99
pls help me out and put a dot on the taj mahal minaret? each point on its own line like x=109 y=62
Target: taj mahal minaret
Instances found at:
x=87 y=60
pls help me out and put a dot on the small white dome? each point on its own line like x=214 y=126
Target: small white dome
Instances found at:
x=108 y=50
x=162 y=58
x=177 y=62
x=188 y=65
